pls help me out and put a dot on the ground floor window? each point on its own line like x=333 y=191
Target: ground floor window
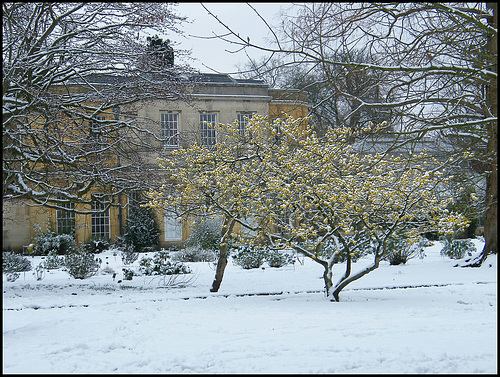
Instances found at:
x=173 y=227
x=65 y=219
x=100 y=217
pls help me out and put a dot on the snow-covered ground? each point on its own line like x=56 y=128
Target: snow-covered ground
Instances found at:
x=445 y=321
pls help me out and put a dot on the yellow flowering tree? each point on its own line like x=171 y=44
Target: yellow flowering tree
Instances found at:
x=296 y=190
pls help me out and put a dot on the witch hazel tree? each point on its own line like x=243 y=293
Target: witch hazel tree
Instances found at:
x=293 y=189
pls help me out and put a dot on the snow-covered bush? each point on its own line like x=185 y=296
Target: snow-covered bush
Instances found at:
x=96 y=244
x=48 y=242
x=39 y=272
x=205 y=235
x=458 y=249
x=129 y=255
x=12 y=276
x=249 y=256
x=279 y=258
x=161 y=264
x=142 y=229
x=194 y=254
x=52 y=261
x=398 y=251
x=13 y=263
x=127 y=274
x=81 y=264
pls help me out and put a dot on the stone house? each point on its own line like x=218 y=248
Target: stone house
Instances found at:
x=219 y=99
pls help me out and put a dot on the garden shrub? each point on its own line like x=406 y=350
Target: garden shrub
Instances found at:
x=127 y=274
x=279 y=258
x=13 y=263
x=129 y=255
x=249 y=256
x=142 y=229
x=398 y=251
x=96 y=244
x=205 y=235
x=161 y=264
x=81 y=264
x=48 y=242
x=39 y=272
x=458 y=249
x=52 y=261
x=194 y=254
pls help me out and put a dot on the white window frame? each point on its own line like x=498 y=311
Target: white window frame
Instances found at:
x=172 y=227
x=66 y=217
x=101 y=226
x=169 y=122
x=243 y=119
x=208 y=134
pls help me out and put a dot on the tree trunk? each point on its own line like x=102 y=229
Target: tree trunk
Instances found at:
x=222 y=263
x=491 y=221
x=221 y=266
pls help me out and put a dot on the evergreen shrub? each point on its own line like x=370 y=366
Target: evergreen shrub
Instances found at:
x=129 y=255
x=96 y=244
x=279 y=258
x=142 y=229
x=458 y=249
x=161 y=264
x=13 y=263
x=249 y=256
x=50 y=242
x=81 y=264
x=398 y=251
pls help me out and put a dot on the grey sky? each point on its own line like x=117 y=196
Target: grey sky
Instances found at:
x=211 y=54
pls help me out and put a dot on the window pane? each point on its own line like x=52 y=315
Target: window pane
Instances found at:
x=207 y=127
x=173 y=228
x=170 y=129
x=65 y=220
x=242 y=122
x=100 y=219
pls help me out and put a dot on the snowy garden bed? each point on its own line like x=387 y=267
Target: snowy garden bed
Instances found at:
x=423 y=317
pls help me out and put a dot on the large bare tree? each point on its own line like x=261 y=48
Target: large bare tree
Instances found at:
x=69 y=70
x=439 y=63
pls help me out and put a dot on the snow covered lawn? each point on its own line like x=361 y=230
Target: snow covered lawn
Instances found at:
x=444 y=322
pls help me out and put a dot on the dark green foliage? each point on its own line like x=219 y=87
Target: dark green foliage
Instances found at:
x=398 y=251
x=12 y=263
x=127 y=274
x=161 y=264
x=279 y=258
x=249 y=256
x=96 y=244
x=142 y=229
x=458 y=249
x=50 y=242
x=81 y=264
x=53 y=262
x=161 y=51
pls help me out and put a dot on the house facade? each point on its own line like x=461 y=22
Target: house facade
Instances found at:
x=219 y=99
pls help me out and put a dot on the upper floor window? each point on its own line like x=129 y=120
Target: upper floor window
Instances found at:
x=243 y=119
x=170 y=129
x=207 y=127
